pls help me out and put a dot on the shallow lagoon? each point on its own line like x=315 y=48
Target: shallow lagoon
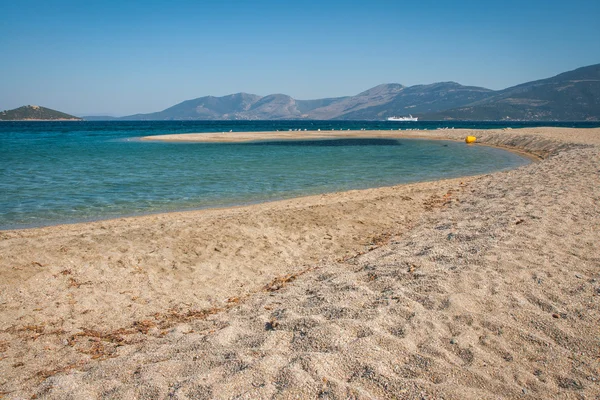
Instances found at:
x=50 y=176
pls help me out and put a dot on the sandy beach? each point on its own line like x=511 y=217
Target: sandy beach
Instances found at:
x=472 y=288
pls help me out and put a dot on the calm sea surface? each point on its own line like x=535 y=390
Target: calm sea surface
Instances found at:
x=61 y=172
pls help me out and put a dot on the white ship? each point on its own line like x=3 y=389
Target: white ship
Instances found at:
x=410 y=118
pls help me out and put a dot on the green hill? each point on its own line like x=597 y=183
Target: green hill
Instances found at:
x=570 y=96
x=35 y=113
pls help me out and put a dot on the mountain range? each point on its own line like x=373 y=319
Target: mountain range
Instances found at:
x=570 y=96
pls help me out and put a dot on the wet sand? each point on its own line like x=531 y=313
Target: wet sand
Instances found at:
x=235 y=137
x=480 y=287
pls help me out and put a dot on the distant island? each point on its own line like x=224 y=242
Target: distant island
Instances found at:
x=35 y=113
x=570 y=96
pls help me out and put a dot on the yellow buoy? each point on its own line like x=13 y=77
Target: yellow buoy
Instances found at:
x=470 y=139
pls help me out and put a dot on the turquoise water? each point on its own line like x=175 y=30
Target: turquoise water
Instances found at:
x=54 y=173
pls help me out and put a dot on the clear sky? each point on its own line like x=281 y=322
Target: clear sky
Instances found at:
x=120 y=57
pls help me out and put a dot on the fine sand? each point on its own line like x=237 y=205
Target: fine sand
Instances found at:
x=473 y=288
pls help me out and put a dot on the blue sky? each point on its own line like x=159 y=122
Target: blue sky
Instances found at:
x=124 y=57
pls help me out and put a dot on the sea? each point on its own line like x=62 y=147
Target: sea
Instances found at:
x=74 y=171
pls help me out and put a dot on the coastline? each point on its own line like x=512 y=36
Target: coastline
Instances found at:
x=242 y=137
x=444 y=134
x=347 y=269
x=364 y=184
x=487 y=137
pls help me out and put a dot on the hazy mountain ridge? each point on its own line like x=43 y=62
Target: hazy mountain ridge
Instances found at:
x=378 y=95
x=573 y=95
x=422 y=99
x=35 y=113
x=203 y=108
x=569 y=96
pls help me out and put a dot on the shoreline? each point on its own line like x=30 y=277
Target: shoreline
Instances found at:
x=225 y=208
x=437 y=134
x=457 y=135
x=242 y=137
x=468 y=288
